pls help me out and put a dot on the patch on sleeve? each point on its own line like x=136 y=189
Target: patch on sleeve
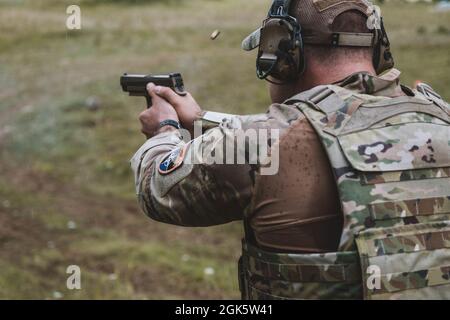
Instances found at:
x=172 y=161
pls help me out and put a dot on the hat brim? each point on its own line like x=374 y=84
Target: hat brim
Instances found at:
x=252 y=40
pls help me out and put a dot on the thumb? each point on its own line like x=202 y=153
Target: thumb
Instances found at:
x=152 y=91
x=169 y=95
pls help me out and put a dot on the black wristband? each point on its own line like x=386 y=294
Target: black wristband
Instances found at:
x=169 y=122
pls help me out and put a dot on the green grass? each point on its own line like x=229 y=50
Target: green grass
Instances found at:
x=62 y=163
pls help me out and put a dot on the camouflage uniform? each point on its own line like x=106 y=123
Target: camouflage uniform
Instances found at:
x=389 y=150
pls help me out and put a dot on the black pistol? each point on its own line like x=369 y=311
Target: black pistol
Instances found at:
x=136 y=84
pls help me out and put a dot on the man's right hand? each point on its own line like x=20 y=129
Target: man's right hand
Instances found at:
x=161 y=110
x=186 y=107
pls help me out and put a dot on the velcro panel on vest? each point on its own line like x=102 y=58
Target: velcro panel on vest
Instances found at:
x=410 y=208
x=406 y=262
x=372 y=178
x=301 y=276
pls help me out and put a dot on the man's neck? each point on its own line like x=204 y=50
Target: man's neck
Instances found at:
x=316 y=75
x=323 y=75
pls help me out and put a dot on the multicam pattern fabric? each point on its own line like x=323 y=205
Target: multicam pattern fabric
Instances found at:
x=418 y=174
x=393 y=176
x=410 y=208
x=252 y=40
x=414 y=260
x=297 y=276
x=370 y=152
x=398 y=147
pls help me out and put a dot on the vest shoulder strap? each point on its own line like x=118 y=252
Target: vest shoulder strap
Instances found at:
x=428 y=93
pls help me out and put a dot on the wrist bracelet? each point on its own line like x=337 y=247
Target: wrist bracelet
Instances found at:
x=171 y=123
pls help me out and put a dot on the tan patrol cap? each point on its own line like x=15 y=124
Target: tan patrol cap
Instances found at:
x=316 y=18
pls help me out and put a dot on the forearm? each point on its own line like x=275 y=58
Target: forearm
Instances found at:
x=194 y=193
x=144 y=160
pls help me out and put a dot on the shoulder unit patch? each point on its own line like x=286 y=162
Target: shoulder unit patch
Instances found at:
x=172 y=161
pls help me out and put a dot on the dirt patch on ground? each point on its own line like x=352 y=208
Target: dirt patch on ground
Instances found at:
x=19 y=234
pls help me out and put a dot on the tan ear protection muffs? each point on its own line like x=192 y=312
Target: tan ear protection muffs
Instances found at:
x=280 y=40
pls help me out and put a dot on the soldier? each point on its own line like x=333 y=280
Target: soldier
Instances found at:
x=360 y=205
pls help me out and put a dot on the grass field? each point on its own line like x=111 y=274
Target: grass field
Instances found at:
x=66 y=190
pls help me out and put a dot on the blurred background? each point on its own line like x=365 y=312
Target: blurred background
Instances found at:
x=67 y=133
